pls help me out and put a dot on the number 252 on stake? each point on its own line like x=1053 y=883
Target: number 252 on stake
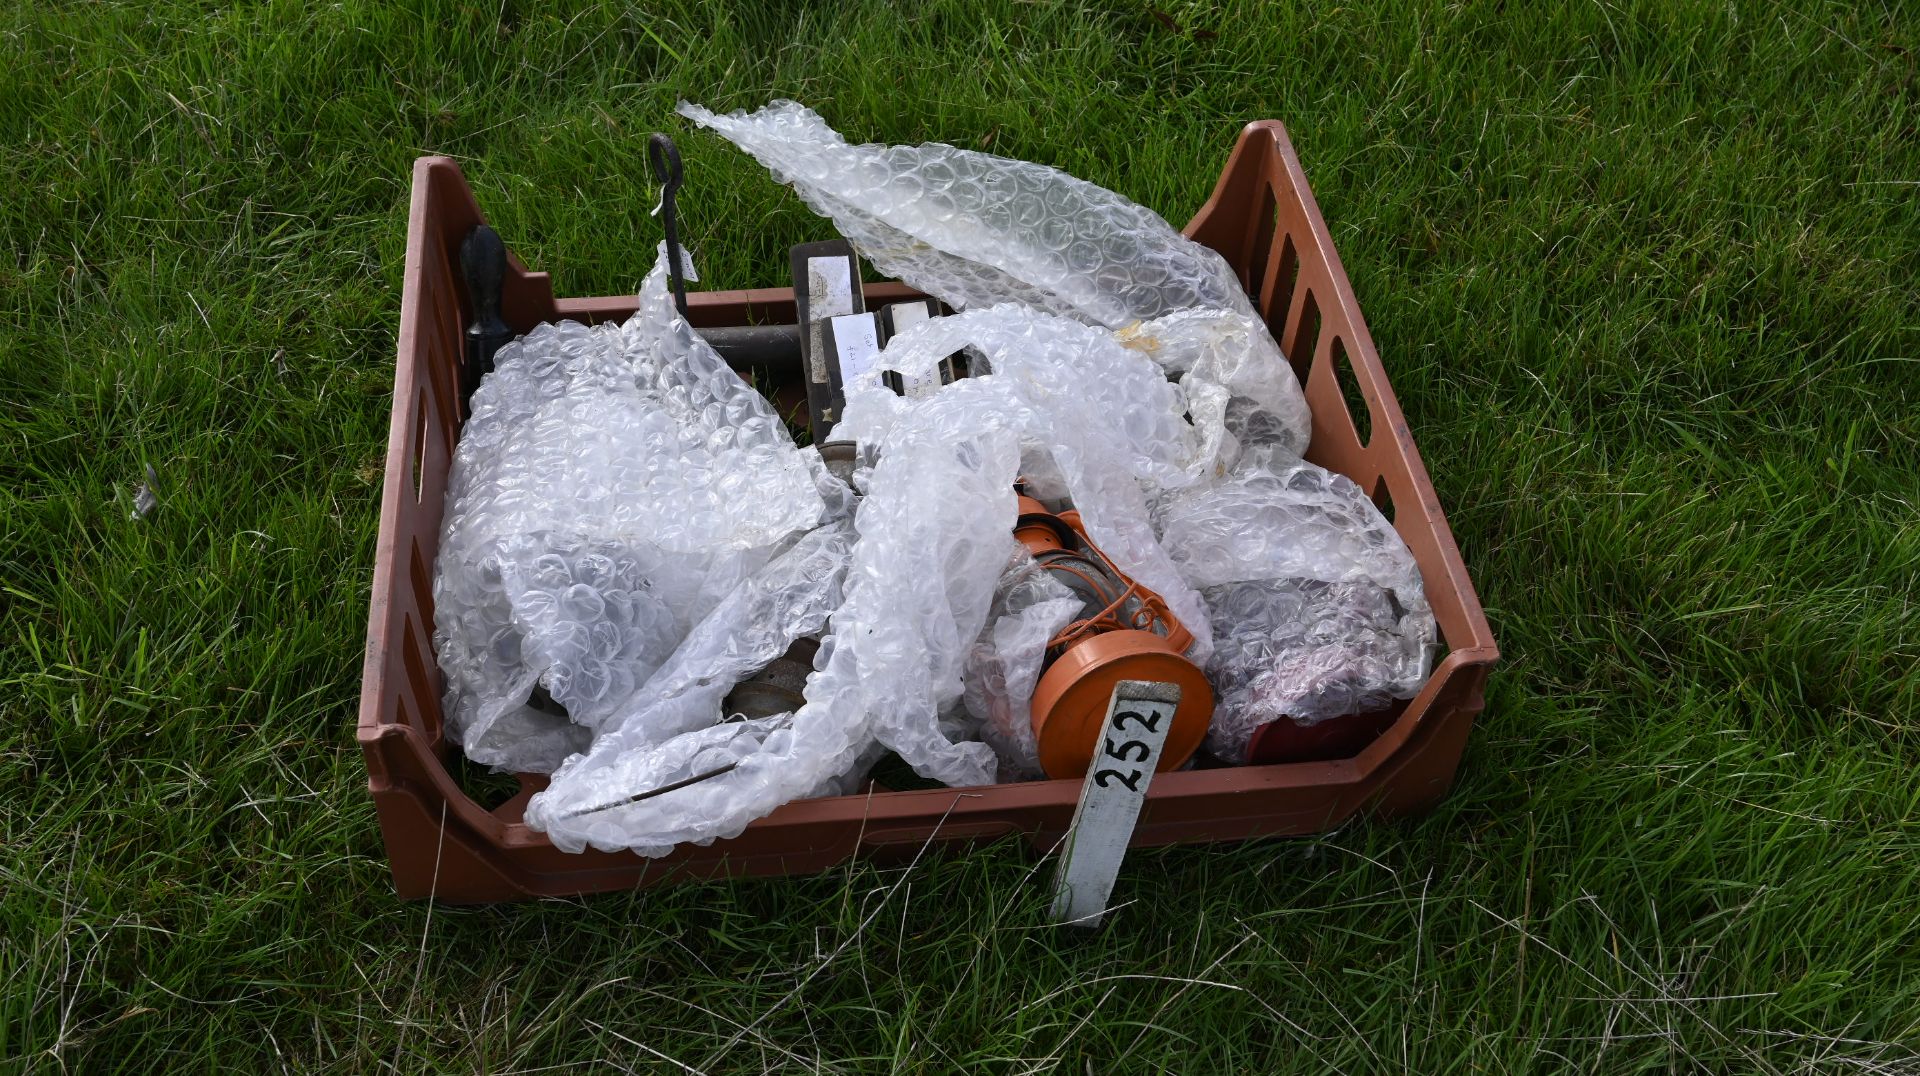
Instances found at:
x=1110 y=801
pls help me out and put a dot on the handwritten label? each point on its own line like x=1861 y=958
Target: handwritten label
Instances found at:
x=856 y=343
x=905 y=316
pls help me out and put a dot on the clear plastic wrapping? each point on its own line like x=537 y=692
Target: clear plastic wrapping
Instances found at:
x=677 y=728
x=933 y=539
x=1305 y=651
x=630 y=527
x=1317 y=606
x=790 y=598
x=974 y=230
x=611 y=484
x=1103 y=420
x=933 y=535
x=1240 y=393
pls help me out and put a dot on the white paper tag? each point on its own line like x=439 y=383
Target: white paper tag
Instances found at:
x=686 y=262
x=856 y=344
x=1115 y=790
x=905 y=316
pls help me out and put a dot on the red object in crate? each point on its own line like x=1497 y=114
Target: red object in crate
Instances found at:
x=1336 y=737
x=1261 y=218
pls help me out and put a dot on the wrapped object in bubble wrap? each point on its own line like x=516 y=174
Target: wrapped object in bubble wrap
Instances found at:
x=791 y=598
x=1099 y=418
x=1240 y=393
x=934 y=533
x=1030 y=606
x=1316 y=603
x=973 y=229
x=933 y=539
x=676 y=728
x=611 y=485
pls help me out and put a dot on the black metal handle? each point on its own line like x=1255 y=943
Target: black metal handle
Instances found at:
x=664 y=157
x=483 y=262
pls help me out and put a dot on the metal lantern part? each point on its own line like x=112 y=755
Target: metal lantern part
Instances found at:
x=1126 y=632
x=780 y=688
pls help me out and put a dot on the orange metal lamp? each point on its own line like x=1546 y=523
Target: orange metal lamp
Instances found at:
x=1127 y=633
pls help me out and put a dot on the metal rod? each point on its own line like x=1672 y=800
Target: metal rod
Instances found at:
x=664 y=156
x=770 y=347
x=652 y=792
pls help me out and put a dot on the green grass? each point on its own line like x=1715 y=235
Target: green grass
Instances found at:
x=1644 y=275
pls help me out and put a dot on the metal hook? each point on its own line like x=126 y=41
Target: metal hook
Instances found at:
x=664 y=157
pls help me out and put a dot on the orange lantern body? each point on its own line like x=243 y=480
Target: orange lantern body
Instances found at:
x=1126 y=633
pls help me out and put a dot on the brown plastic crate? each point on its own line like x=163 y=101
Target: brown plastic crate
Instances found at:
x=441 y=843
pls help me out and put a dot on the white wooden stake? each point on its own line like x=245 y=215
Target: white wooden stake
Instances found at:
x=1116 y=788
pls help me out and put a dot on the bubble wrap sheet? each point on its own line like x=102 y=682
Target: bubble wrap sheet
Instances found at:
x=629 y=524
x=933 y=535
x=932 y=542
x=676 y=723
x=1240 y=393
x=1318 y=608
x=1103 y=417
x=974 y=230
x=611 y=485
x=791 y=597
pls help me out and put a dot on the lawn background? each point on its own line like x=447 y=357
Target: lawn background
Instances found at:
x=1644 y=275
